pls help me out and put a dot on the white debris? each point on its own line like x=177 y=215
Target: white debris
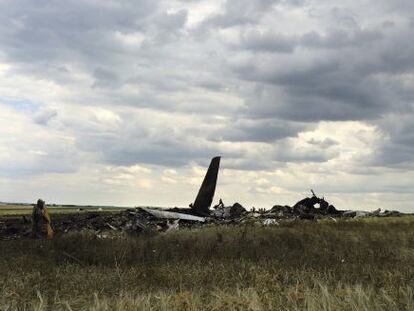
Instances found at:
x=172 y=215
x=112 y=227
x=175 y=225
x=224 y=212
x=270 y=222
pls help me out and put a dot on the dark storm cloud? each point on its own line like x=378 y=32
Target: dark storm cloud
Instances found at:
x=270 y=41
x=290 y=155
x=353 y=79
x=115 y=45
x=49 y=30
x=340 y=38
x=166 y=148
x=167 y=21
x=267 y=41
x=39 y=38
x=331 y=100
x=397 y=147
x=403 y=7
x=257 y=131
x=105 y=78
x=240 y=12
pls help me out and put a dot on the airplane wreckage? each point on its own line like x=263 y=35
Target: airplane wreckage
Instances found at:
x=149 y=219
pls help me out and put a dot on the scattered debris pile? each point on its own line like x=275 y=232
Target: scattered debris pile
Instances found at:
x=228 y=212
x=104 y=224
x=149 y=220
x=146 y=220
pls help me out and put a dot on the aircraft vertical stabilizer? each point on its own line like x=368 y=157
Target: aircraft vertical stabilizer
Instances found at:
x=205 y=195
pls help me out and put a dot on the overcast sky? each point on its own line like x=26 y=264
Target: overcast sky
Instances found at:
x=125 y=102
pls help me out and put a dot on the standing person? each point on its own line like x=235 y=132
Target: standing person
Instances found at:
x=37 y=219
x=41 y=220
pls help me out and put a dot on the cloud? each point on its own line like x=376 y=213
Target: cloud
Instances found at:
x=105 y=78
x=297 y=93
x=43 y=117
x=396 y=148
x=267 y=41
x=30 y=149
x=240 y=12
x=340 y=38
x=257 y=131
x=337 y=86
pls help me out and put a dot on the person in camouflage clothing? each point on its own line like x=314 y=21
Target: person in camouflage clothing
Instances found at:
x=41 y=221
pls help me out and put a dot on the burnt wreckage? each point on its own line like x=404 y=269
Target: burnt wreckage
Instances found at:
x=149 y=219
x=201 y=206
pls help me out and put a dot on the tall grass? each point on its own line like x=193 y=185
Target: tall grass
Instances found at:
x=349 y=265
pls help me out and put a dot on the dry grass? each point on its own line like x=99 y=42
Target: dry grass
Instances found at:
x=20 y=210
x=349 y=265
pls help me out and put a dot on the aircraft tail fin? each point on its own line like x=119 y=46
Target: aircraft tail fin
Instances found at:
x=205 y=195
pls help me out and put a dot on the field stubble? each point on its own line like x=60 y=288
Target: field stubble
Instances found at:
x=348 y=265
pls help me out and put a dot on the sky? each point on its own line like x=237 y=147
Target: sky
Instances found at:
x=125 y=102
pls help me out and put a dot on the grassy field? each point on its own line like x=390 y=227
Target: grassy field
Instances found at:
x=20 y=210
x=348 y=265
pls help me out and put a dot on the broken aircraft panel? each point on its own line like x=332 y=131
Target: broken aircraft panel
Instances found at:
x=172 y=215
